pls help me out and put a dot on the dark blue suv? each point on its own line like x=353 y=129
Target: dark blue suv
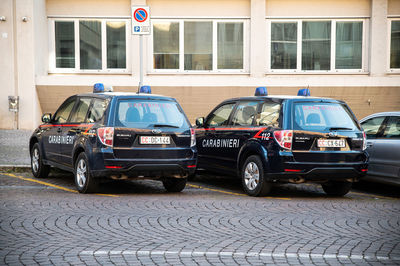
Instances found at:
x=289 y=139
x=116 y=135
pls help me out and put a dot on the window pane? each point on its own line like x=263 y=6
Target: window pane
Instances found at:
x=90 y=44
x=220 y=116
x=316 y=53
x=395 y=45
x=244 y=114
x=230 y=45
x=269 y=115
x=284 y=45
x=393 y=128
x=372 y=126
x=65 y=44
x=348 y=45
x=166 y=45
x=80 y=113
x=116 y=44
x=97 y=111
x=198 y=45
x=64 y=111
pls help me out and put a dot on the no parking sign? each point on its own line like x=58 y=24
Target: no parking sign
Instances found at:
x=140 y=20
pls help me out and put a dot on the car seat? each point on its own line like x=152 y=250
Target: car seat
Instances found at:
x=248 y=114
x=132 y=115
x=149 y=117
x=313 y=118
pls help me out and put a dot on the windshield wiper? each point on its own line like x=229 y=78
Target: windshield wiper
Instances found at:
x=164 y=125
x=340 y=128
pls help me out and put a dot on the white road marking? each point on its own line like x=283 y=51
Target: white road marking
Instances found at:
x=235 y=254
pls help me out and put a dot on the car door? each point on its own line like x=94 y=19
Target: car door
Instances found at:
x=52 y=134
x=210 y=153
x=74 y=127
x=386 y=154
x=240 y=129
x=374 y=128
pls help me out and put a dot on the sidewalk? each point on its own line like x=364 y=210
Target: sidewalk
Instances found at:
x=14 y=148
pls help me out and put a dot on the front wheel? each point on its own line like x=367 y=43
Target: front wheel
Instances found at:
x=174 y=184
x=84 y=181
x=39 y=170
x=336 y=188
x=253 y=178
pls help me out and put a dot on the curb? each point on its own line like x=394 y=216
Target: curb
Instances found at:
x=15 y=168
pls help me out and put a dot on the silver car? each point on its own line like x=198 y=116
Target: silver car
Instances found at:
x=383 y=146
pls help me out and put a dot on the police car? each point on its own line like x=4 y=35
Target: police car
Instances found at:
x=116 y=135
x=290 y=139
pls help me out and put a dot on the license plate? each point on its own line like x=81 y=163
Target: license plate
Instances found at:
x=331 y=143
x=154 y=140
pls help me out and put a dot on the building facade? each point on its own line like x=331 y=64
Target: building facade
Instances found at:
x=199 y=51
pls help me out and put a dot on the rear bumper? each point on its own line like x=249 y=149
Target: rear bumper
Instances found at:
x=105 y=165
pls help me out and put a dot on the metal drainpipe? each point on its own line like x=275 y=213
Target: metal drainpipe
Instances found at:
x=14 y=21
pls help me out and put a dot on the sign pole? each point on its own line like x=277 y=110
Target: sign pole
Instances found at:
x=141 y=60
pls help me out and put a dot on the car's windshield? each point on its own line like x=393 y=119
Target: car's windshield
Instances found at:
x=137 y=113
x=317 y=116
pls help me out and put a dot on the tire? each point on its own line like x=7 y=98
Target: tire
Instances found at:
x=84 y=181
x=336 y=188
x=253 y=178
x=174 y=184
x=39 y=170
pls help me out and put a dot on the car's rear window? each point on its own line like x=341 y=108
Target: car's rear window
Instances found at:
x=317 y=116
x=137 y=113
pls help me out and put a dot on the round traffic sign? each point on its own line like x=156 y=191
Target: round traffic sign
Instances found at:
x=140 y=15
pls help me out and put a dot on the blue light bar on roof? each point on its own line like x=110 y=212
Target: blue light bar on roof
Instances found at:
x=304 y=92
x=98 y=87
x=145 y=89
x=261 y=91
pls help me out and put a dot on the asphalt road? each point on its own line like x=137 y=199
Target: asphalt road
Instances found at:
x=211 y=222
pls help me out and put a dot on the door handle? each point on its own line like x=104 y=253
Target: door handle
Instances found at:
x=370 y=144
x=59 y=130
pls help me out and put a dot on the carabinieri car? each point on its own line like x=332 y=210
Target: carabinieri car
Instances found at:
x=116 y=135
x=267 y=139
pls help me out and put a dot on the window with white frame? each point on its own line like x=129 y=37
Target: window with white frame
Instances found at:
x=395 y=44
x=316 y=45
x=89 y=45
x=198 y=45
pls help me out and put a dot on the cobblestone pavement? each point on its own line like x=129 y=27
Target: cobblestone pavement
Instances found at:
x=210 y=222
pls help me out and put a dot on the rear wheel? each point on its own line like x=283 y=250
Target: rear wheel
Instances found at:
x=39 y=169
x=336 y=188
x=174 y=184
x=84 y=181
x=253 y=179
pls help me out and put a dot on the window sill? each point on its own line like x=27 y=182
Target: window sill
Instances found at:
x=91 y=72
x=198 y=73
x=316 y=73
x=393 y=72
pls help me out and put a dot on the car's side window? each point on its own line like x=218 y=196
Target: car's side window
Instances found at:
x=97 y=111
x=79 y=115
x=269 y=115
x=372 y=126
x=220 y=116
x=244 y=113
x=64 y=111
x=392 y=130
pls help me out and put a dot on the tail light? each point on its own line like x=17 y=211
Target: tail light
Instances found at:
x=106 y=135
x=284 y=138
x=364 y=141
x=192 y=137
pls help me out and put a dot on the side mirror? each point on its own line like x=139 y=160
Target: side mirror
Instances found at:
x=46 y=118
x=200 y=122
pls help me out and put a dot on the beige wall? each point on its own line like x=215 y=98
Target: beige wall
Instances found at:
x=204 y=8
x=88 y=8
x=199 y=101
x=6 y=63
x=318 y=8
x=393 y=7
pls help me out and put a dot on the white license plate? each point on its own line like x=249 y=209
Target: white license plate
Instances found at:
x=331 y=143
x=154 y=140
